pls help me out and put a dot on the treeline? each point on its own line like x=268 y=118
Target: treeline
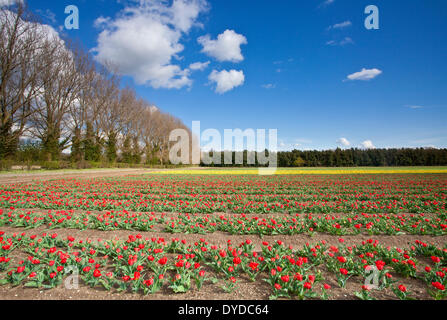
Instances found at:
x=352 y=158
x=56 y=103
x=364 y=158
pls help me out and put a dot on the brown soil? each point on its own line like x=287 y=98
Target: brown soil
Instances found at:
x=9 y=178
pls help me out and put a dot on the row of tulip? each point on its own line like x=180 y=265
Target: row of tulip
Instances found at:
x=349 y=224
x=145 y=266
x=238 y=194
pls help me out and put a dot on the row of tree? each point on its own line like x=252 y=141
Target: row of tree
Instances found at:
x=351 y=158
x=54 y=94
x=364 y=158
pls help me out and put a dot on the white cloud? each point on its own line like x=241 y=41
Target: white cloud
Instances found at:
x=415 y=107
x=48 y=14
x=344 y=142
x=227 y=80
x=341 y=25
x=269 y=86
x=346 y=40
x=144 y=39
x=365 y=74
x=7 y=3
x=326 y=3
x=46 y=32
x=367 y=144
x=185 y=13
x=101 y=22
x=291 y=144
x=227 y=47
x=199 y=65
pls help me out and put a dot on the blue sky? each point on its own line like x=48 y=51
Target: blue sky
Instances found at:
x=294 y=58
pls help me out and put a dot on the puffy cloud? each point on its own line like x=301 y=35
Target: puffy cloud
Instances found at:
x=101 y=22
x=227 y=80
x=344 y=142
x=367 y=144
x=199 y=66
x=227 y=47
x=365 y=74
x=144 y=39
x=185 y=13
x=341 y=25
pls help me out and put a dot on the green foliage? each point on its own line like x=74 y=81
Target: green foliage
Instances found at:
x=91 y=145
x=126 y=151
x=111 y=148
x=51 y=145
x=299 y=162
x=136 y=152
x=5 y=164
x=353 y=158
x=29 y=152
x=8 y=141
x=76 y=149
x=365 y=158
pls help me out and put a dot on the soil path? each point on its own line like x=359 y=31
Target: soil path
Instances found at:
x=9 y=178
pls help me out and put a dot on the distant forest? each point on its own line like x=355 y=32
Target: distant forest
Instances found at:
x=353 y=158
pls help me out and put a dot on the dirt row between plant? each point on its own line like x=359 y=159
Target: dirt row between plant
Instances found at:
x=220 y=238
x=246 y=290
x=226 y=215
x=11 y=178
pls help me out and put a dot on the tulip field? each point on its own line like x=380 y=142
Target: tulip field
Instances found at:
x=226 y=236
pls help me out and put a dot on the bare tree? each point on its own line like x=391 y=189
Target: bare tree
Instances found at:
x=150 y=120
x=165 y=125
x=59 y=93
x=52 y=90
x=22 y=44
x=112 y=117
x=78 y=117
